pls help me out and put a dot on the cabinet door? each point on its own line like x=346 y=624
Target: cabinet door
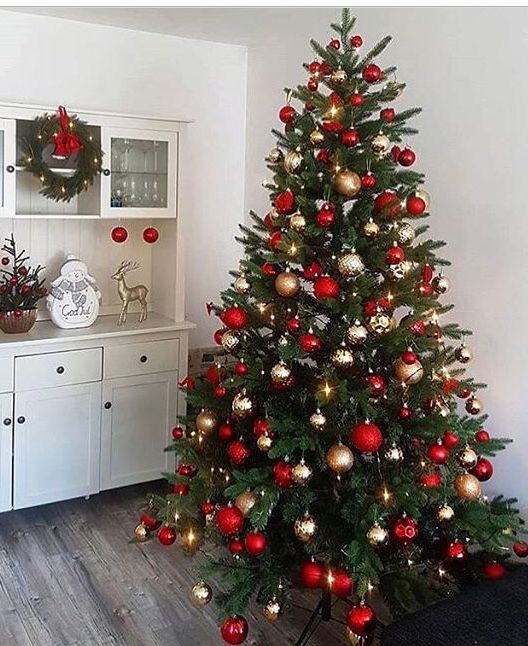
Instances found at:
x=137 y=415
x=6 y=451
x=7 y=167
x=140 y=176
x=57 y=442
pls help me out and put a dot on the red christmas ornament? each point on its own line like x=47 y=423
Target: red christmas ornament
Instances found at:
x=66 y=143
x=409 y=357
x=493 y=570
x=418 y=328
x=404 y=412
x=218 y=336
x=187 y=470
x=5 y=261
x=119 y=234
x=424 y=289
x=334 y=44
x=340 y=582
x=376 y=384
x=450 y=439
x=150 y=522
x=269 y=269
x=18 y=313
x=368 y=181
x=356 y=100
x=371 y=73
x=261 y=427
x=361 y=619
x=269 y=221
x=311 y=575
x=366 y=437
x=356 y=41
x=326 y=287
x=326 y=70
x=207 y=508
x=483 y=470
x=521 y=549
x=312 y=85
x=220 y=390
x=388 y=115
x=456 y=550
x=314 y=67
x=332 y=126
x=238 y=452
x=350 y=137
x=236 y=546
x=414 y=205
x=150 y=235
x=405 y=529
x=214 y=375
x=395 y=255
x=282 y=474
x=255 y=543
x=234 y=630
x=309 y=106
x=335 y=99
x=464 y=393
x=226 y=432
x=285 y=202
x=437 y=453
x=431 y=480
x=166 y=535
x=229 y=520
x=180 y=489
x=389 y=203
x=241 y=369
x=450 y=385
x=482 y=436
x=406 y=157
x=312 y=270
x=178 y=432
x=235 y=318
x=310 y=342
x=325 y=218
x=287 y=114
x=294 y=325
x=274 y=240
x=324 y=156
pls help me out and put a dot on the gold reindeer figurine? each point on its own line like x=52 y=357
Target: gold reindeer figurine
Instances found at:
x=130 y=294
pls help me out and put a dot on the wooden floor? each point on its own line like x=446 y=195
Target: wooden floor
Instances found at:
x=69 y=576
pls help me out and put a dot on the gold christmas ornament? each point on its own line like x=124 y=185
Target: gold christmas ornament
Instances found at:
x=280 y=373
x=423 y=195
x=405 y=234
x=301 y=473
x=467 y=486
x=371 y=229
x=358 y=640
x=201 y=594
x=467 y=458
x=339 y=458
x=393 y=455
x=246 y=501
x=342 y=357
x=241 y=285
x=316 y=137
x=350 y=264
x=293 y=161
x=441 y=284
x=206 y=421
x=356 y=333
x=473 y=406
x=272 y=610
x=141 y=533
x=298 y=222
x=380 y=144
x=274 y=156
x=287 y=284
x=377 y=535
x=463 y=353
x=338 y=77
x=264 y=443
x=399 y=270
x=445 y=513
x=318 y=420
x=347 y=183
x=380 y=323
x=242 y=405
x=305 y=528
x=408 y=374
x=230 y=340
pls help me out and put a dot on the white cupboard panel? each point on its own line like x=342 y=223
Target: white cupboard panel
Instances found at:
x=58 y=369
x=6 y=374
x=6 y=451
x=141 y=358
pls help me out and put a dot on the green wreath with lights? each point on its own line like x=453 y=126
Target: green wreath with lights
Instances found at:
x=70 y=136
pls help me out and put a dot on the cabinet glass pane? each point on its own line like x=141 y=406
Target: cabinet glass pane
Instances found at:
x=139 y=173
x=2 y=165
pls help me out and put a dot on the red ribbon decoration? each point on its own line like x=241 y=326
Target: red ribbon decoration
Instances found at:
x=66 y=143
x=188 y=383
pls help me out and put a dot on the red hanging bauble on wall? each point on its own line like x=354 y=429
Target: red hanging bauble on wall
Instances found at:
x=119 y=234
x=150 y=235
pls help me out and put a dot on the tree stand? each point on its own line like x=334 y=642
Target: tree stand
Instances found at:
x=322 y=612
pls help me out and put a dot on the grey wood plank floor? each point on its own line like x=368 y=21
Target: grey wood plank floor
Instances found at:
x=68 y=576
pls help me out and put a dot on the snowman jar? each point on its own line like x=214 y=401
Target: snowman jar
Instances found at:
x=73 y=300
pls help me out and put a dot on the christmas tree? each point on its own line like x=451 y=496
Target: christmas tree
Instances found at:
x=338 y=443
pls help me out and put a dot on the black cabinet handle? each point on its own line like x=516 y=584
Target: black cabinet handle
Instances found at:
x=7 y=421
x=10 y=168
x=108 y=405
x=60 y=370
x=143 y=358
x=21 y=419
x=106 y=172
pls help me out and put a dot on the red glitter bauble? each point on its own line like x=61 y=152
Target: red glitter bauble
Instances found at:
x=282 y=474
x=285 y=202
x=238 y=452
x=326 y=287
x=235 y=318
x=366 y=437
x=229 y=520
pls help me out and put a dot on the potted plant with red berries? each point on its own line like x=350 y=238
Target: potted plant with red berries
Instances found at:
x=20 y=289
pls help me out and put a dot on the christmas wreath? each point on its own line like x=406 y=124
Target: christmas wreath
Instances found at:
x=69 y=136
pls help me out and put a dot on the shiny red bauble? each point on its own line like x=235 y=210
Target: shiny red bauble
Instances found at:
x=309 y=342
x=366 y=437
x=521 y=549
x=332 y=126
x=241 y=369
x=356 y=99
x=424 y=289
x=287 y=114
x=312 y=270
x=235 y=318
x=482 y=436
x=418 y=328
x=483 y=470
x=388 y=115
x=166 y=535
x=178 y=432
x=334 y=44
x=368 y=181
x=188 y=470
x=394 y=255
x=269 y=222
x=226 y=432
x=361 y=619
x=312 y=575
x=269 y=269
x=371 y=73
x=261 y=427
x=341 y=583
x=285 y=202
x=238 y=452
x=150 y=522
x=180 y=489
x=395 y=151
x=218 y=336
x=309 y=106
x=312 y=85
x=326 y=287
x=325 y=156
x=405 y=529
x=350 y=137
x=388 y=202
x=150 y=235
x=414 y=205
x=464 y=393
x=376 y=384
x=214 y=375
x=274 y=240
x=236 y=546
x=431 y=480
x=314 y=67
x=409 y=357
x=450 y=439
x=283 y=474
x=325 y=218
x=293 y=325
x=437 y=453
x=255 y=543
x=404 y=413
x=406 y=157
x=456 y=550
x=234 y=630
x=356 y=41
x=207 y=508
x=220 y=390
x=119 y=234
x=6 y=261
x=229 y=520
x=493 y=570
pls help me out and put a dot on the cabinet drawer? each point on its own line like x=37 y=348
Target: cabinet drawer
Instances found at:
x=6 y=374
x=141 y=358
x=58 y=369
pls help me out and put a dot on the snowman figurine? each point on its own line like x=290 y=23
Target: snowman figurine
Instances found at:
x=73 y=300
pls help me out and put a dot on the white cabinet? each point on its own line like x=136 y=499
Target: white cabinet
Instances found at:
x=6 y=450
x=7 y=166
x=56 y=444
x=137 y=415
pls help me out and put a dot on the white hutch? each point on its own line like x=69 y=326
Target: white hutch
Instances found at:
x=91 y=409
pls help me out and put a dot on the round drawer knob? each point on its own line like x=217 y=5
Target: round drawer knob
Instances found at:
x=10 y=168
x=108 y=405
x=143 y=358
x=7 y=421
x=21 y=419
x=60 y=370
x=106 y=172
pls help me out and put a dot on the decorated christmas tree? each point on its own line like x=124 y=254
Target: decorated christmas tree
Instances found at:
x=338 y=443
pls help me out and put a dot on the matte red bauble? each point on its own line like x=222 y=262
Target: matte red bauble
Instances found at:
x=166 y=535
x=236 y=546
x=414 y=205
x=207 y=508
x=404 y=413
x=234 y=630
x=235 y=318
x=493 y=570
x=406 y=157
x=312 y=270
x=238 y=452
x=405 y=529
x=326 y=287
x=255 y=543
x=371 y=73
x=150 y=235
x=389 y=203
x=285 y=202
x=431 y=480
x=356 y=99
x=361 y=619
x=341 y=583
x=350 y=137
x=521 y=549
x=437 y=453
x=310 y=342
x=366 y=437
x=325 y=218
x=274 y=240
x=483 y=470
x=261 y=427
x=312 y=85
x=150 y=522
x=368 y=181
x=180 y=489
x=241 y=369
x=482 y=436
x=409 y=357
x=178 y=433
x=214 y=375
x=229 y=520
x=356 y=41
x=119 y=234
x=287 y=114
x=312 y=575
x=456 y=550
x=226 y=432
x=388 y=115
x=394 y=255
x=450 y=439
x=282 y=474
x=269 y=269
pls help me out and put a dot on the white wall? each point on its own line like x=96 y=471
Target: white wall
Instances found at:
x=464 y=66
x=50 y=61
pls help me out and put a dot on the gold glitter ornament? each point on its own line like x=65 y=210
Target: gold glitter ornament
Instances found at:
x=318 y=420
x=206 y=421
x=445 y=513
x=467 y=486
x=347 y=182
x=339 y=458
x=242 y=285
x=201 y=594
x=272 y=610
x=264 y=443
x=371 y=229
x=377 y=535
x=242 y=405
x=408 y=374
x=297 y=223
x=293 y=161
x=301 y=473
x=338 y=77
x=342 y=357
x=274 y=156
x=316 y=137
x=381 y=323
x=305 y=528
x=356 y=333
x=245 y=502
x=287 y=284
x=141 y=533
x=350 y=264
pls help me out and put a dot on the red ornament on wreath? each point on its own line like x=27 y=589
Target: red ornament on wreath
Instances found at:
x=366 y=437
x=166 y=535
x=255 y=543
x=326 y=287
x=283 y=474
x=235 y=318
x=118 y=234
x=238 y=452
x=150 y=235
x=371 y=73
x=312 y=575
x=234 y=630
x=405 y=529
x=229 y=520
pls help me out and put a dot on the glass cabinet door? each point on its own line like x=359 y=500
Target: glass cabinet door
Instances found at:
x=140 y=174
x=7 y=167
